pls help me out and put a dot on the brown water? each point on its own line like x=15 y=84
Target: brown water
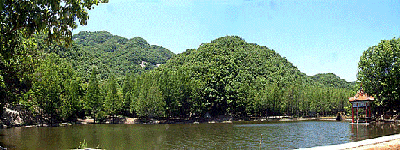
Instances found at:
x=276 y=135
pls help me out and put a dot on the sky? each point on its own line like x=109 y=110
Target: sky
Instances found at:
x=320 y=36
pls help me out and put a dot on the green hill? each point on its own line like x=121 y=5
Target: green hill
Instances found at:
x=111 y=54
x=227 y=76
x=331 y=80
x=232 y=77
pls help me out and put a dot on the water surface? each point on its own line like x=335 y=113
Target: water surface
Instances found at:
x=275 y=135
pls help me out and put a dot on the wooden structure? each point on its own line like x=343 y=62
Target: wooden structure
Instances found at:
x=359 y=101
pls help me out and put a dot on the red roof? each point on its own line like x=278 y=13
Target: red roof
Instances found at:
x=361 y=96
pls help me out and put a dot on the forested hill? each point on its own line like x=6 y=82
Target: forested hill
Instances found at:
x=232 y=57
x=259 y=60
x=229 y=76
x=111 y=54
x=331 y=80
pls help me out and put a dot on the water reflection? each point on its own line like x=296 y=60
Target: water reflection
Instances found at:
x=275 y=135
x=301 y=134
x=367 y=131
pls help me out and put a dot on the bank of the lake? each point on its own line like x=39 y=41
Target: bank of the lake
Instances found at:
x=19 y=122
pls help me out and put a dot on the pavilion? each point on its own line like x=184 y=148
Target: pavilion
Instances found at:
x=361 y=100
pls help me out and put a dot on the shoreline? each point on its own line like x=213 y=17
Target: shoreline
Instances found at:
x=127 y=120
x=384 y=142
x=225 y=119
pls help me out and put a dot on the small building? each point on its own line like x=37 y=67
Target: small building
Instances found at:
x=361 y=101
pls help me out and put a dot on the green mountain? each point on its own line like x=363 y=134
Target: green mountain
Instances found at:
x=231 y=58
x=111 y=54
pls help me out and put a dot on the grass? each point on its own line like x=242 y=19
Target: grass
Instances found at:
x=83 y=145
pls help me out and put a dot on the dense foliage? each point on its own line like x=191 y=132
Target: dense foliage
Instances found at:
x=379 y=72
x=225 y=77
x=55 y=91
x=231 y=77
x=111 y=54
x=19 y=20
x=331 y=80
x=80 y=89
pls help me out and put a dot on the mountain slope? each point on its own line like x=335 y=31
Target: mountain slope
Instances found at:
x=111 y=54
x=225 y=76
x=237 y=57
x=331 y=80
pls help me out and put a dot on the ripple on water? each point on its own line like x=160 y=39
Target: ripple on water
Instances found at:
x=276 y=135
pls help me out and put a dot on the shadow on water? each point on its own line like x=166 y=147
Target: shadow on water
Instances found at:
x=368 y=131
x=7 y=145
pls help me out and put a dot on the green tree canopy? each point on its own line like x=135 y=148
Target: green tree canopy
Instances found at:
x=53 y=88
x=331 y=80
x=19 y=20
x=219 y=77
x=56 y=17
x=113 y=55
x=379 y=72
x=113 y=101
x=94 y=100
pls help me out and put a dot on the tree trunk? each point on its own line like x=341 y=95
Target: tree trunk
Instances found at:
x=1 y=109
x=94 y=118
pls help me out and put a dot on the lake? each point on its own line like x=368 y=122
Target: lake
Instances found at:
x=239 y=135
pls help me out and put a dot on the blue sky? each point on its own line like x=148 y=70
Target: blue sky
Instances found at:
x=316 y=36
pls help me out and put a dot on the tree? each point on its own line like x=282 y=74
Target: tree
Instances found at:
x=379 y=72
x=174 y=85
x=72 y=100
x=18 y=21
x=113 y=101
x=51 y=89
x=148 y=100
x=127 y=89
x=94 y=99
x=56 y=17
x=16 y=73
